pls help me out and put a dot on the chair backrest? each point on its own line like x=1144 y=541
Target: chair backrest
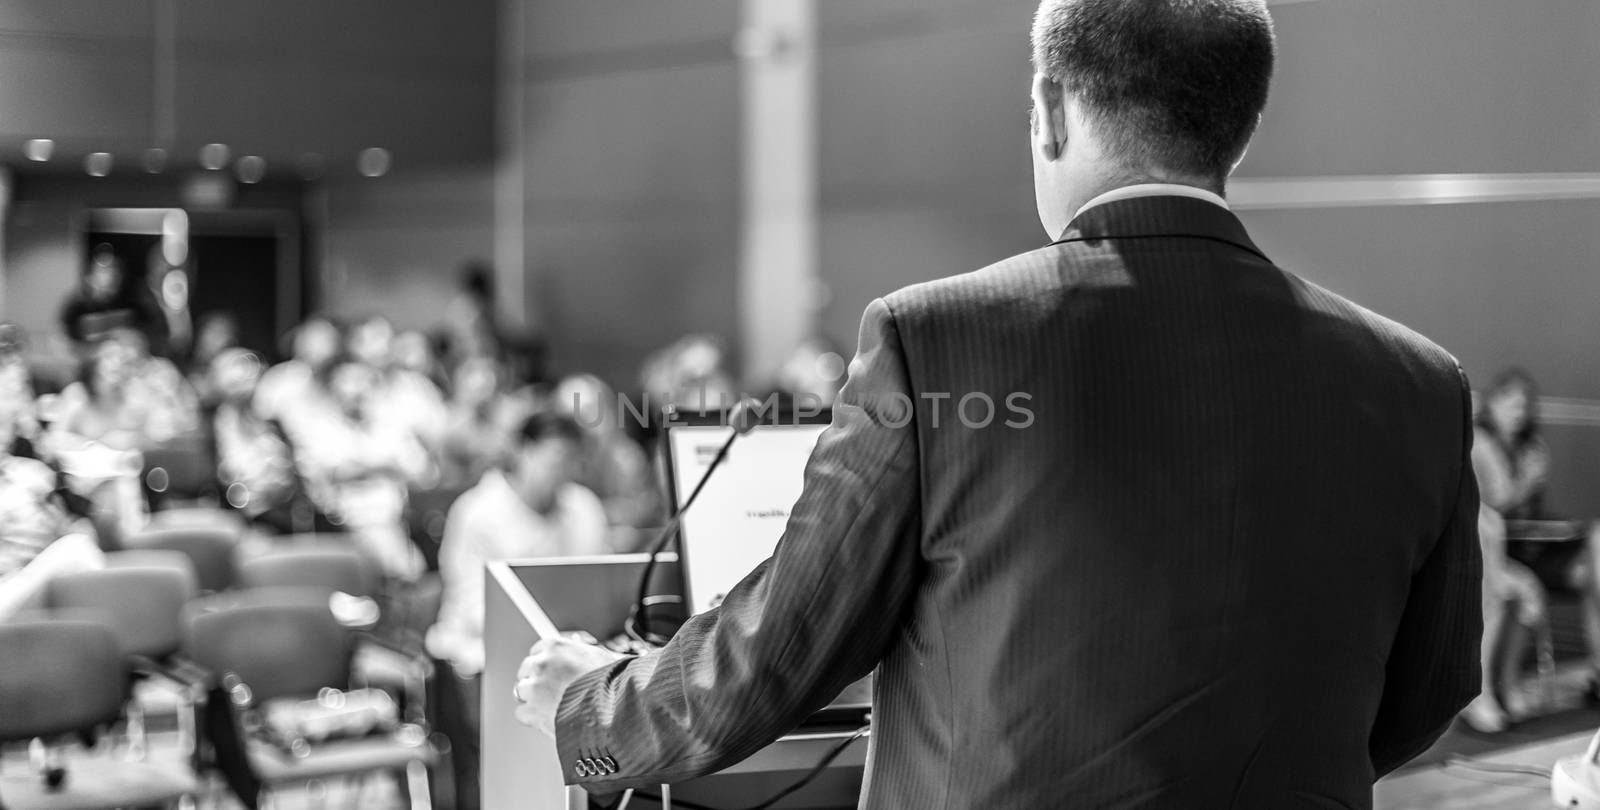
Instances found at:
x=198 y=516
x=182 y=467
x=281 y=642
x=210 y=549
x=320 y=565
x=426 y=510
x=58 y=676
x=143 y=606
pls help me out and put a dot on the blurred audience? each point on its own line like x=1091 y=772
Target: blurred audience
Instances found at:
x=218 y=332
x=1527 y=550
x=105 y=300
x=357 y=464
x=609 y=463
x=531 y=508
x=479 y=421
x=255 y=464
x=299 y=382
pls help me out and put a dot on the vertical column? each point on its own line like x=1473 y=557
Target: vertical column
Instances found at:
x=510 y=223
x=778 y=250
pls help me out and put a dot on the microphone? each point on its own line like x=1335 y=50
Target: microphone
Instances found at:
x=743 y=418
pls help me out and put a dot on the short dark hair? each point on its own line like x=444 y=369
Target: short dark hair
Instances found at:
x=1174 y=84
x=548 y=425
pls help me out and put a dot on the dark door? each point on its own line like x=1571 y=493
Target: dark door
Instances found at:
x=237 y=275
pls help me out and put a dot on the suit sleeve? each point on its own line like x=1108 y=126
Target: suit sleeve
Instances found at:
x=810 y=620
x=1433 y=669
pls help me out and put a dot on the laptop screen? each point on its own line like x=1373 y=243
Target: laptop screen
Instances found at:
x=740 y=515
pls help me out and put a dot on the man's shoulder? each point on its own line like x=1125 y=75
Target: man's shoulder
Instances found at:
x=1014 y=281
x=1400 y=340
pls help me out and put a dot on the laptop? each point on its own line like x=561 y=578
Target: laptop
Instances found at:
x=741 y=514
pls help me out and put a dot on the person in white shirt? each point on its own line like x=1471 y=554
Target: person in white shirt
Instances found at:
x=531 y=508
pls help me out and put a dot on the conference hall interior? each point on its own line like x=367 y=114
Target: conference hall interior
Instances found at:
x=303 y=303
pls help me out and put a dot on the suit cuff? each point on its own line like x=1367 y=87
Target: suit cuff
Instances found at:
x=582 y=739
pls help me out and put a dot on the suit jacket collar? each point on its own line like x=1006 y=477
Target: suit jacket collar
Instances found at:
x=1159 y=216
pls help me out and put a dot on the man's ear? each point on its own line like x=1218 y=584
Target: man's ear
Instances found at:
x=1049 y=117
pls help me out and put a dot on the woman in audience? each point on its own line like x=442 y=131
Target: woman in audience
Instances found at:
x=611 y=464
x=217 y=332
x=254 y=462
x=1526 y=550
x=531 y=509
x=300 y=381
x=402 y=397
x=97 y=427
x=479 y=422
x=39 y=539
x=356 y=467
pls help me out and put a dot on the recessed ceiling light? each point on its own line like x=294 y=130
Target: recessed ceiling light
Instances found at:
x=97 y=164
x=39 y=149
x=373 y=162
x=214 y=156
x=251 y=168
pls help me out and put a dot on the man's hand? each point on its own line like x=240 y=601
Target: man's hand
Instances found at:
x=551 y=666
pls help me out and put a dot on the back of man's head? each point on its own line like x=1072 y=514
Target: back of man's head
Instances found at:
x=1170 y=86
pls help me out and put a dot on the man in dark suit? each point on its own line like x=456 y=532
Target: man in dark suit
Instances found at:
x=1228 y=558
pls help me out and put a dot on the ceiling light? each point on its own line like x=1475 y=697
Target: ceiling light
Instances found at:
x=373 y=162
x=251 y=168
x=97 y=164
x=214 y=156
x=39 y=149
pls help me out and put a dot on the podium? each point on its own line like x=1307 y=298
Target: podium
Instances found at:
x=526 y=600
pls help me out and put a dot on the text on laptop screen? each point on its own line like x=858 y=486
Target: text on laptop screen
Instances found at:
x=740 y=516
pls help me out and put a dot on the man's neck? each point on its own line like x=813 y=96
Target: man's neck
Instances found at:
x=1095 y=183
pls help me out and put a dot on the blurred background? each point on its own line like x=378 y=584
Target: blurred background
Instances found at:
x=493 y=208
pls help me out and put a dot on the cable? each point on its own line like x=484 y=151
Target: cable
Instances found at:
x=1490 y=767
x=743 y=418
x=810 y=776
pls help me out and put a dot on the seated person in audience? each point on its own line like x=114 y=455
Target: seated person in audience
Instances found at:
x=254 y=462
x=127 y=398
x=414 y=353
x=404 y=397
x=217 y=332
x=812 y=375
x=531 y=509
x=356 y=467
x=611 y=463
x=301 y=380
x=690 y=374
x=98 y=426
x=1511 y=462
x=39 y=539
x=480 y=418
x=16 y=395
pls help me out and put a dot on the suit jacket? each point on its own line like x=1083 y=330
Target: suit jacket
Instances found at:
x=1228 y=558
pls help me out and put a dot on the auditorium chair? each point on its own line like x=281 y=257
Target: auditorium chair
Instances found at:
x=390 y=653
x=143 y=606
x=210 y=548
x=62 y=679
x=309 y=563
x=273 y=643
x=426 y=510
x=179 y=471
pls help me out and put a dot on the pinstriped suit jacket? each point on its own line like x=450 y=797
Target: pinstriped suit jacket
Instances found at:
x=1229 y=559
